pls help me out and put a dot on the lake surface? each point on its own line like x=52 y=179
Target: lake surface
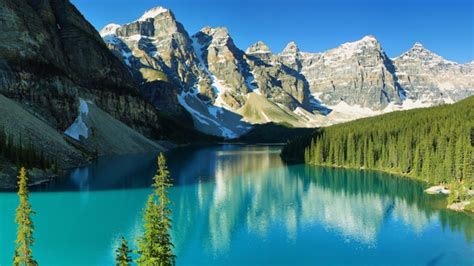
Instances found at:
x=236 y=205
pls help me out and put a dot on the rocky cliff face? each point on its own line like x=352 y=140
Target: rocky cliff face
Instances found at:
x=50 y=58
x=358 y=73
x=50 y=54
x=204 y=74
x=223 y=66
x=222 y=86
x=429 y=78
x=275 y=80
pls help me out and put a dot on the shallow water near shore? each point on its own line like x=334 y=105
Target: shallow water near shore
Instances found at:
x=237 y=205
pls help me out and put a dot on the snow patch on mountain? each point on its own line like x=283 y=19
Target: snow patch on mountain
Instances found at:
x=110 y=29
x=218 y=86
x=79 y=127
x=212 y=119
x=152 y=13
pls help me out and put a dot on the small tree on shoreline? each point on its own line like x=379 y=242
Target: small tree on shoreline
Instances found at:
x=24 y=241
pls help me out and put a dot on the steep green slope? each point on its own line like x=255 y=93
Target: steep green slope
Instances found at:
x=432 y=144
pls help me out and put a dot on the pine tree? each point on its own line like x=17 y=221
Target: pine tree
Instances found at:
x=24 y=242
x=306 y=155
x=149 y=243
x=161 y=185
x=467 y=164
x=416 y=161
x=458 y=159
x=350 y=158
x=122 y=257
x=318 y=153
x=370 y=154
x=155 y=246
x=449 y=161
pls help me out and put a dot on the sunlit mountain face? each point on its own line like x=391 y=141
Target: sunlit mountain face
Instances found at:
x=228 y=89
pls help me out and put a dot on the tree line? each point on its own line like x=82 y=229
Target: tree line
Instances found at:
x=155 y=247
x=23 y=152
x=431 y=144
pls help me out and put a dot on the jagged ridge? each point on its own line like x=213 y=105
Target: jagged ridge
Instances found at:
x=212 y=78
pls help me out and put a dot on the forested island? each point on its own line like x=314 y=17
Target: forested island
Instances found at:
x=432 y=144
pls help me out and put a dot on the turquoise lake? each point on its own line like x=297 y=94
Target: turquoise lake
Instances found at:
x=240 y=205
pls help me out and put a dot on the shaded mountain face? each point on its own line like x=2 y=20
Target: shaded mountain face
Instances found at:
x=227 y=90
x=53 y=66
x=49 y=55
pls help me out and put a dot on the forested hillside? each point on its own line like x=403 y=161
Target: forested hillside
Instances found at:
x=432 y=144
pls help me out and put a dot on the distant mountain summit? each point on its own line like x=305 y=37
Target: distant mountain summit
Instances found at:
x=227 y=90
x=429 y=78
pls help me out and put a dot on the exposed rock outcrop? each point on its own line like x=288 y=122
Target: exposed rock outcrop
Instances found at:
x=213 y=79
x=206 y=73
x=428 y=77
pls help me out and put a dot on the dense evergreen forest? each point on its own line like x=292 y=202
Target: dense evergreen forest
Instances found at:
x=21 y=152
x=432 y=144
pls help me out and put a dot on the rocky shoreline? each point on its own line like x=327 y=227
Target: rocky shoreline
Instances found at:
x=461 y=206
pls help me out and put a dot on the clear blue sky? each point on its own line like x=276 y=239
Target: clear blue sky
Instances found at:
x=443 y=26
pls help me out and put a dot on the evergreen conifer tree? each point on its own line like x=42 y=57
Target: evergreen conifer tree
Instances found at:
x=122 y=257
x=155 y=246
x=24 y=241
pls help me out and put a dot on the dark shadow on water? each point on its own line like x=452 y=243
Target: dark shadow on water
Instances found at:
x=188 y=165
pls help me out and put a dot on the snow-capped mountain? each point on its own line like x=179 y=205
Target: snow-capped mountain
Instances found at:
x=208 y=76
x=226 y=89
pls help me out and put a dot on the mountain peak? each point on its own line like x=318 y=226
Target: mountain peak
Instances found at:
x=419 y=48
x=258 y=48
x=366 y=41
x=211 y=31
x=292 y=48
x=369 y=38
x=348 y=49
x=417 y=45
x=213 y=36
x=420 y=53
x=152 y=13
x=109 y=29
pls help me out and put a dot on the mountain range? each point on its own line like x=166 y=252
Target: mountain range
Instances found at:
x=227 y=89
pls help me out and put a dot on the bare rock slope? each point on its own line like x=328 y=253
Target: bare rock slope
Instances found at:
x=216 y=82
